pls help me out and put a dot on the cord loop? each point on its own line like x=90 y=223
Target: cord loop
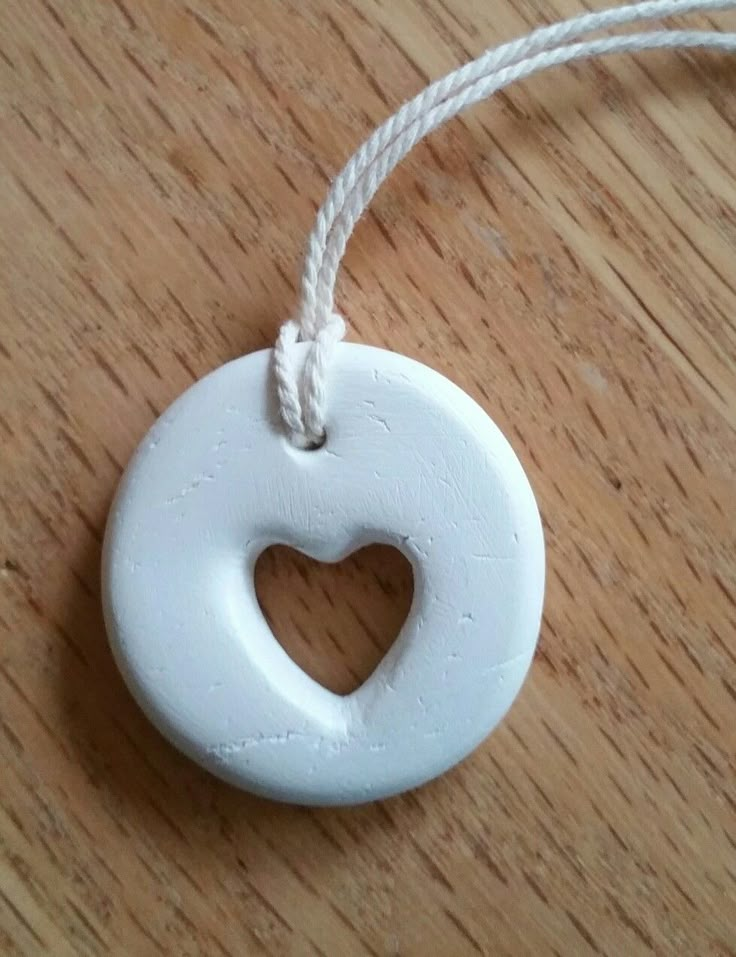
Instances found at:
x=302 y=392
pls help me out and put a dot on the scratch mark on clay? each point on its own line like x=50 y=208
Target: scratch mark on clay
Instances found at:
x=515 y=659
x=410 y=542
x=194 y=484
x=228 y=749
x=381 y=421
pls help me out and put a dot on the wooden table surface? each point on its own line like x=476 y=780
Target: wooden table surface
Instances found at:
x=565 y=253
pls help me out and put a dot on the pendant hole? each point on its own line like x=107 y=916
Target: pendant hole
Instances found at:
x=301 y=444
x=316 y=443
x=336 y=621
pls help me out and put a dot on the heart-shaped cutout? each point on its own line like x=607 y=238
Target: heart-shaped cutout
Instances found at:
x=335 y=620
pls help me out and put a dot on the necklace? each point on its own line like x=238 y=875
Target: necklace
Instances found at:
x=327 y=447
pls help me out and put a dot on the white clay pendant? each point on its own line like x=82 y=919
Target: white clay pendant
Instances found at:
x=410 y=460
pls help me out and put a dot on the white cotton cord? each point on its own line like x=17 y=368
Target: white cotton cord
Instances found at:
x=492 y=60
x=302 y=395
x=480 y=90
x=315 y=369
x=287 y=388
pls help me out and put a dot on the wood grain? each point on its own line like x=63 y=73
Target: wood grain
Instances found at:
x=565 y=254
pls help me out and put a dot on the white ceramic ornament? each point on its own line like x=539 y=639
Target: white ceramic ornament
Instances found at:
x=410 y=460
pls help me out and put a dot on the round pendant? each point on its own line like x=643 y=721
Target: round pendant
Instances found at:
x=410 y=460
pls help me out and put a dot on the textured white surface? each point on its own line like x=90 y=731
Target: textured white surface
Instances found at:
x=410 y=460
